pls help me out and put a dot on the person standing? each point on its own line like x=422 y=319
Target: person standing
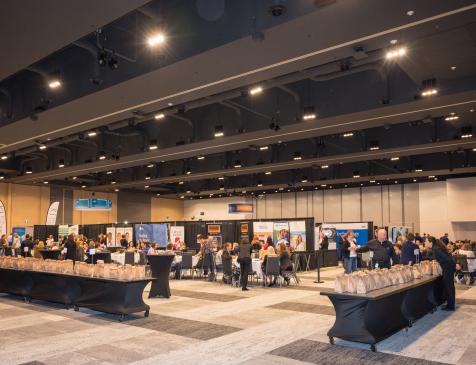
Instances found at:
x=448 y=266
x=349 y=253
x=244 y=259
x=445 y=239
x=26 y=246
x=70 y=247
x=124 y=242
x=383 y=253
x=323 y=241
x=408 y=251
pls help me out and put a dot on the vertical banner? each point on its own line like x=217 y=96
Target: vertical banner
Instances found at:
x=297 y=231
x=73 y=229
x=177 y=235
x=281 y=233
x=3 y=219
x=263 y=230
x=128 y=232
x=52 y=214
x=111 y=236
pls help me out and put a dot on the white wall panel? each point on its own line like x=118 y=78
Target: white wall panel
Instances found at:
x=289 y=205
x=459 y=196
x=318 y=206
x=385 y=206
x=301 y=205
x=273 y=206
x=433 y=209
x=214 y=209
x=372 y=204
x=332 y=206
x=411 y=206
x=261 y=205
x=396 y=206
x=351 y=205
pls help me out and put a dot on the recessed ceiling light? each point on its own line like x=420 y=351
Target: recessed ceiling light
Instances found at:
x=74 y=177
x=394 y=158
x=372 y=181
x=453 y=68
x=267 y=173
x=150 y=165
x=263 y=148
x=113 y=182
x=159 y=116
x=309 y=113
x=83 y=186
x=42 y=147
x=180 y=182
x=182 y=197
x=393 y=41
x=410 y=12
x=45 y=182
x=156 y=39
x=323 y=185
x=348 y=134
x=200 y=157
x=61 y=164
x=219 y=131
x=452 y=117
x=153 y=145
x=396 y=53
x=256 y=90
x=92 y=133
x=146 y=187
x=324 y=166
x=54 y=84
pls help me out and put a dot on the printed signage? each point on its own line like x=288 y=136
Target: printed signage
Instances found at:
x=93 y=204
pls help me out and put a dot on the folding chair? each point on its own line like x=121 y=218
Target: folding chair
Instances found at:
x=293 y=274
x=187 y=264
x=272 y=269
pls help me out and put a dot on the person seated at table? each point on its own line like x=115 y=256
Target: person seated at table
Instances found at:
x=49 y=241
x=95 y=245
x=130 y=246
x=270 y=251
x=269 y=241
x=264 y=251
x=255 y=244
x=285 y=263
x=152 y=249
x=467 y=251
x=36 y=250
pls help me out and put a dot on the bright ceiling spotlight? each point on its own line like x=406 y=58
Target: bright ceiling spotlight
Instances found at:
x=156 y=39
x=348 y=134
x=219 y=131
x=267 y=173
x=146 y=187
x=61 y=163
x=92 y=133
x=323 y=185
x=396 y=53
x=102 y=58
x=109 y=172
x=466 y=132
x=324 y=166
x=159 y=116
x=158 y=194
x=259 y=184
x=188 y=172
x=42 y=147
x=153 y=145
x=188 y=191
x=2 y=176
x=309 y=113
x=356 y=175
x=151 y=165
x=54 y=84
x=116 y=190
x=113 y=182
x=372 y=181
x=297 y=156
x=304 y=179
x=237 y=164
x=221 y=178
x=429 y=88
x=113 y=63
x=4 y=157
x=83 y=186
x=102 y=156
x=431 y=176
x=452 y=117
x=263 y=148
x=180 y=182
x=418 y=168
x=200 y=157
x=222 y=188
x=394 y=158
x=45 y=182
x=147 y=176
x=74 y=177
x=374 y=145
x=256 y=90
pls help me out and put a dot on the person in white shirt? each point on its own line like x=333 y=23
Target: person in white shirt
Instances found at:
x=49 y=241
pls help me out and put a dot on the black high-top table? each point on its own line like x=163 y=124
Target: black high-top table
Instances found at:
x=160 y=266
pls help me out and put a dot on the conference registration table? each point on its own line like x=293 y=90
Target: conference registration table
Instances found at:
x=372 y=317
x=120 y=297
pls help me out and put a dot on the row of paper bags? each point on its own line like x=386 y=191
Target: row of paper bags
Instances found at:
x=99 y=270
x=361 y=282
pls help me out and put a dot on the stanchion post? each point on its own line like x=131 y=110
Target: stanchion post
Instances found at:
x=318 y=267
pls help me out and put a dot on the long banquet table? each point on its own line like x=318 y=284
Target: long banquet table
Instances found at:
x=372 y=317
x=105 y=295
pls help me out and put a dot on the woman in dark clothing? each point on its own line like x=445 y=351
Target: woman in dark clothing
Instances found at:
x=446 y=262
x=244 y=258
x=70 y=247
x=284 y=261
x=408 y=251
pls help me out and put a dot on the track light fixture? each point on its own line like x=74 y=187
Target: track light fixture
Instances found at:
x=466 y=132
x=297 y=156
x=29 y=170
x=374 y=145
x=428 y=87
x=61 y=163
x=237 y=164
x=219 y=131
x=153 y=145
x=113 y=62
x=102 y=57
x=452 y=117
x=4 y=157
x=156 y=39
x=309 y=113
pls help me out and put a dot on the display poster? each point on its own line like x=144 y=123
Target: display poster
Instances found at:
x=63 y=230
x=73 y=230
x=20 y=231
x=240 y=208
x=128 y=232
x=297 y=230
x=281 y=233
x=3 y=219
x=244 y=229
x=263 y=230
x=111 y=236
x=335 y=231
x=153 y=233
x=177 y=235
x=395 y=232
x=52 y=214
x=317 y=237
x=214 y=229
x=119 y=233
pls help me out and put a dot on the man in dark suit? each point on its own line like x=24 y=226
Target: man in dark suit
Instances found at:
x=26 y=243
x=124 y=242
x=383 y=253
x=408 y=251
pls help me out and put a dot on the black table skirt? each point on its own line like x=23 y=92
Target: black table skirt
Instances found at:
x=104 y=295
x=50 y=254
x=371 y=319
x=160 y=267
